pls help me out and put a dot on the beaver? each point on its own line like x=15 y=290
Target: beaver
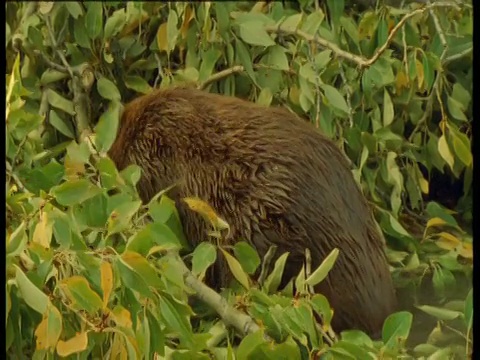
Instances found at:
x=274 y=178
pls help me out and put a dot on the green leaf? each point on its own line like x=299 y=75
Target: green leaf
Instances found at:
x=154 y=234
x=61 y=125
x=191 y=74
x=461 y=95
x=51 y=76
x=132 y=280
x=336 y=8
x=428 y=72
x=276 y=58
x=313 y=21
x=334 y=98
x=16 y=241
x=74 y=8
x=106 y=129
x=74 y=192
x=462 y=150
x=81 y=294
x=32 y=295
x=273 y=280
x=204 y=255
x=131 y=174
x=79 y=152
x=108 y=173
x=249 y=344
x=322 y=59
x=350 y=28
x=456 y=109
x=285 y=350
x=245 y=59
x=254 y=33
x=468 y=311
x=60 y=102
x=94 y=211
x=172 y=31
x=115 y=24
x=80 y=33
x=440 y=313
x=265 y=97
x=61 y=229
x=322 y=271
x=247 y=256
x=94 y=19
x=107 y=89
x=397 y=227
x=396 y=327
x=292 y=22
x=140 y=265
x=137 y=83
x=121 y=216
x=435 y=210
x=382 y=32
x=388 y=111
x=236 y=269
x=175 y=316
x=209 y=59
x=444 y=151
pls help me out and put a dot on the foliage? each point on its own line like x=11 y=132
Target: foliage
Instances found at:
x=91 y=272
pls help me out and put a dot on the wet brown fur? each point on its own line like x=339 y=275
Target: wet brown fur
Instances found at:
x=274 y=178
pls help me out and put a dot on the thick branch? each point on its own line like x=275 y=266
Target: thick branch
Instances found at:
x=230 y=316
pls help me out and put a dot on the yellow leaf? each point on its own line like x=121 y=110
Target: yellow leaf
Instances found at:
x=444 y=151
x=188 y=15
x=73 y=169
x=294 y=95
x=436 y=221
x=447 y=241
x=43 y=231
x=122 y=317
x=44 y=7
x=401 y=81
x=236 y=269
x=207 y=212
x=76 y=344
x=424 y=186
x=49 y=330
x=118 y=350
x=258 y=7
x=134 y=23
x=420 y=75
x=106 y=273
x=162 y=39
x=466 y=250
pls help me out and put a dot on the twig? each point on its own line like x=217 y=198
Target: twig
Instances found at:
x=308 y=268
x=328 y=335
x=458 y=56
x=392 y=34
x=220 y=75
x=10 y=172
x=50 y=63
x=55 y=46
x=359 y=60
x=235 y=70
x=317 y=84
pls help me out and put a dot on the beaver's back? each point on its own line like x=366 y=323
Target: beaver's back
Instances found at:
x=274 y=178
